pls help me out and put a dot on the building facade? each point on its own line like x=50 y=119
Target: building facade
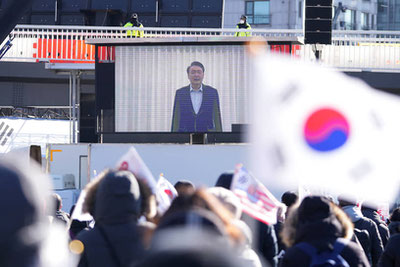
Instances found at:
x=288 y=14
x=388 y=15
x=356 y=15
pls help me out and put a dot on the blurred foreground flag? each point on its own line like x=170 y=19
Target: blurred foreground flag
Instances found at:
x=256 y=200
x=319 y=129
x=166 y=193
x=132 y=161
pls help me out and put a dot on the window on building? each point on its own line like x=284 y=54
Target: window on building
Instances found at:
x=257 y=12
x=300 y=9
x=350 y=19
x=365 y=21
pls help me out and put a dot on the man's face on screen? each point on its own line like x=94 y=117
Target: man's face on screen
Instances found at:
x=195 y=76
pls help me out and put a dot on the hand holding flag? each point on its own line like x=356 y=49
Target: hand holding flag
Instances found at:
x=166 y=193
x=256 y=200
x=132 y=161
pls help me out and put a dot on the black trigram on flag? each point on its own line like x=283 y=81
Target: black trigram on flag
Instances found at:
x=5 y=133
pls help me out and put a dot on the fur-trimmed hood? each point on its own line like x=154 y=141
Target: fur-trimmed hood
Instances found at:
x=114 y=197
x=317 y=221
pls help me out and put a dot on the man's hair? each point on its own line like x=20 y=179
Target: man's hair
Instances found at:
x=184 y=187
x=346 y=201
x=289 y=198
x=57 y=201
x=195 y=63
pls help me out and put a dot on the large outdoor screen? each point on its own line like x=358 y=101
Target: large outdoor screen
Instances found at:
x=181 y=88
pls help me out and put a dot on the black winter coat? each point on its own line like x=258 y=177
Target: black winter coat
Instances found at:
x=394 y=228
x=376 y=241
x=365 y=242
x=124 y=239
x=382 y=228
x=116 y=209
x=322 y=235
x=391 y=255
x=266 y=241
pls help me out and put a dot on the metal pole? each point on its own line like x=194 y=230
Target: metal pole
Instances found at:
x=70 y=107
x=78 y=105
x=74 y=106
x=157 y=7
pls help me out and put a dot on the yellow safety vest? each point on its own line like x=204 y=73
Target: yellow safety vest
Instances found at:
x=134 y=33
x=245 y=34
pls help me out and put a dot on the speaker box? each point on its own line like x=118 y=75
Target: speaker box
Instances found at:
x=43 y=19
x=318 y=2
x=207 y=6
x=206 y=21
x=72 y=19
x=109 y=4
x=174 y=21
x=143 y=6
x=105 y=85
x=318 y=22
x=175 y=6
x=73 y=5
x=43 y=6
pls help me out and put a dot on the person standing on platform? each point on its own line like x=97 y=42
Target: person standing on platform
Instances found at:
x=243 y=25
x=134 y=22
x=196 y=106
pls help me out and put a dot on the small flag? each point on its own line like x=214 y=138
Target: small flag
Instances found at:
x=132 y=161
x=166 y=193
x=78 y=214
x=5 y=133
x=256 y=200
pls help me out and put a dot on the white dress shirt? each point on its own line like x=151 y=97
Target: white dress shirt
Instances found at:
x=197 y=98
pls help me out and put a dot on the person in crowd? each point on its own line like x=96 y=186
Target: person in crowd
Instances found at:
x=243 y=25
x=76 y=226
x=370 y=210
x=59 y=215
x=27 y=236
x=349 y=206
x=191 y=246
x=319 y=227
x=289 y=198
x=148 y=207
x=203 y=211
x=394 y=225
x=196 y=106
x=134 y=22
x=232 y=203
x=184 y=187
x=202 y=200
x=362 y=238
x=265 y=240
x=114 y=201
x=391 y=255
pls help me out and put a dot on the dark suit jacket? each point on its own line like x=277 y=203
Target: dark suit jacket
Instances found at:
x=208 y=119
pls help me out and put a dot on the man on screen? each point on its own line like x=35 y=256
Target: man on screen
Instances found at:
x=196 y=106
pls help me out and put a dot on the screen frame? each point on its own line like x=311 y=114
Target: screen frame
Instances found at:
x=109 y=134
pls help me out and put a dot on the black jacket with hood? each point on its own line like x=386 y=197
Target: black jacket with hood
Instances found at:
x=319 y=224
x=382 y=228
x=114 y=240
x=391 y=255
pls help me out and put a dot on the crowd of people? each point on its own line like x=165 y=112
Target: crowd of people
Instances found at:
x=202 y=227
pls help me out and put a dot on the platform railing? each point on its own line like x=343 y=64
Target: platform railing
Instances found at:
x=372 y=50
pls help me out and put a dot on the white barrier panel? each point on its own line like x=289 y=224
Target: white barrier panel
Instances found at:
x=201 y=164
x=63 y=159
